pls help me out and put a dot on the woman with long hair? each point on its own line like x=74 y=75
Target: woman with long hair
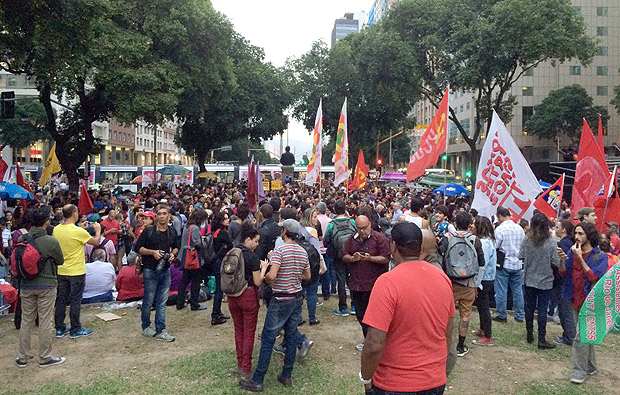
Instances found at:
x=309 y=220
x=222 y=243
x=540 y=257
x=191 y=239
x=484 y=230
x=244 y=308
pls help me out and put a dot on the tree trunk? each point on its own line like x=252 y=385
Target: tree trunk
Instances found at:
x=201 y=156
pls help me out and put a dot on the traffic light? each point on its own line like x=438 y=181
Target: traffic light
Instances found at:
x=444 y=157
x=379 y=162
x=468 y=174
x=7 y=104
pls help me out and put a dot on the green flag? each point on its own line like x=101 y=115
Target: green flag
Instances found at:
x=601 y=309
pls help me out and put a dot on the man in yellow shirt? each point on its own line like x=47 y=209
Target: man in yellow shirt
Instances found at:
x=72 y=275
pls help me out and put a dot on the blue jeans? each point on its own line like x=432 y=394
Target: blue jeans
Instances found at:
x=514 y=278
x=311 y=299
x=328 y=279
x=156 y=287
x=280 y=314
x=565 y=310
x=106 y=297
x=536 y=299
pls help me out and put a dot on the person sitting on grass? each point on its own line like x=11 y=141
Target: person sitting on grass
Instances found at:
x=100 y=278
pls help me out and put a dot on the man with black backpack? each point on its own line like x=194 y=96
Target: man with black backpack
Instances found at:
x=337 y=233
x=367 y=253
x=38 y=292
x=462 y=259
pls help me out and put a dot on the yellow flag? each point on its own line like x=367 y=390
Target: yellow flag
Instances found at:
x=52 y=166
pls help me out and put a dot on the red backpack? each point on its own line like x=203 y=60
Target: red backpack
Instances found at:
x=26 y=261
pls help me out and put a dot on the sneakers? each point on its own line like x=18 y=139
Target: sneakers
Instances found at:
x=544 y=345
x=577 y=378
x=80 y=333
x=279 y=349
x=305 y=347
x=562 y=340
x=20 y=364
x=461 y=351
x=60 y=333
x=342 y=313
x=352 y=310
x=52 y=362
x=484 y=341
x=164 y=336
x=149 y=332
x=315 y=322
x=359 y=347
x=218 y=321
x=319 y=303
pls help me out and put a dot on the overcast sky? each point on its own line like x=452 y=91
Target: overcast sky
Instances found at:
x=287 y=28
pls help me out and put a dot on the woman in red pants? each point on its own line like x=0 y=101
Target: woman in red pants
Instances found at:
x=244 y=308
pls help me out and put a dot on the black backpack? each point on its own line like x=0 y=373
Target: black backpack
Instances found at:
x=101 y=246
x=313 y=257
x=342 y=231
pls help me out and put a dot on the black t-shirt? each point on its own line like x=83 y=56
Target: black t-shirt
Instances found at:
x=153 y=239
x=252 y=264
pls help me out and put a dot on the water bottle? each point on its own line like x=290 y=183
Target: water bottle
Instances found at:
x=212 y=284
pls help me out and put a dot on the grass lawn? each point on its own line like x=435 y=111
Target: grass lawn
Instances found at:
x=118 y=359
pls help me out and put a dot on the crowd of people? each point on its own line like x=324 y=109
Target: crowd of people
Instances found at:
x=402 y=262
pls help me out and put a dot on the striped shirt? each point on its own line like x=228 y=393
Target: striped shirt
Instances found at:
x=292 y=260
x=508 y=238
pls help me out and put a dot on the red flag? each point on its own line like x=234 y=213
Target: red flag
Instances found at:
x=601 y=144
x=85 y=205
x=19 y=180
x=549 y=201
x=607 y=204
x=252 y=186
x=591 y=171
x=433 y=142
x=361 y=173
x=3 y=168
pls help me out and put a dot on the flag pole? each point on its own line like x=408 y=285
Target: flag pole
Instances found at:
x=445 y=178
x=610 y=192
x=604 y=213
x=557 y=216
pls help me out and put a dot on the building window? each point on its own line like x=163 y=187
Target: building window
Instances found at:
x=467 y=106
x=575 y=70
x=601 y=51
x=461 y=108
x=529 y=72
x=602 y=11
x=602 y=31
x=528 y=91
x=602 y=70
x=601 y=91
x=526 y=114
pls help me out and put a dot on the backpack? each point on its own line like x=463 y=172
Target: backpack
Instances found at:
x=461 y=258
x=313 y=257
x=207 y=250
x=26 y=260
x=343 y=230
x=232 y=273
x=101 y=246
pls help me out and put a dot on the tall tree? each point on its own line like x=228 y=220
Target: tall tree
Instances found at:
x=562 y=113
x=484 y=46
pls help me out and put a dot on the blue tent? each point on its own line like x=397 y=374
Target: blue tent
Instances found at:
x=13 y=191
x=452 y=190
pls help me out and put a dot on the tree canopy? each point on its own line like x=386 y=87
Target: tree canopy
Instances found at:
x=27 y=127
x=562 y=113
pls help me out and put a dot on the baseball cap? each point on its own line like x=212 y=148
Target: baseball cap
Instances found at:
x=149 y=214
x=614 y=224
x=583 y=212
x=290 y=225
x=407 y=234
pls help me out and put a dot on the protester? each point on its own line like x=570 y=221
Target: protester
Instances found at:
x=192 y=240
x=72 y=274
x=244 y=308
x=221 y=245
x=586 y=214
x=564 y=231
x=411 y=308
x=612 y=230
x=268 y=230
x=508 y=239
x=605 y=245
x=339 y=230
x=462 y=256
x=540 y=257
x=484 y=230
x=112 y=230
x=367 y=254
x=158 y=246
x=37 y=296
x=583 y=267
x=417 y=205
x=100 y=279
x=130 y=286
x=328 y=279
x=289 y=265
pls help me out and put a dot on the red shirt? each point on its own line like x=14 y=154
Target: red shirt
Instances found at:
x=111 y=225
x=578 y=276
x=129 y=285
x=615 y=244
x=412 y=303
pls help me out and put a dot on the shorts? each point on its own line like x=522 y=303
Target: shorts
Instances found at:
x=465 y=296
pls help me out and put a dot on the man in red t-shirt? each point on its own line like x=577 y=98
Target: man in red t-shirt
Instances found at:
x=410 y=317
x=112 y=229
x=612 y=231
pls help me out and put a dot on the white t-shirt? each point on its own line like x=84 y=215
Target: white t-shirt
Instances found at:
x=415 y=220
x=100 y=278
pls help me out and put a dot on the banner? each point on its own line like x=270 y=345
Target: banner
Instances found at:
x=361 y=173
x=590 y=173
x=599 y=312
x=433 y=142
x=549 y=202
x=52 y=166
x=504 y=177
x=313 y=173
x=341 y=155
